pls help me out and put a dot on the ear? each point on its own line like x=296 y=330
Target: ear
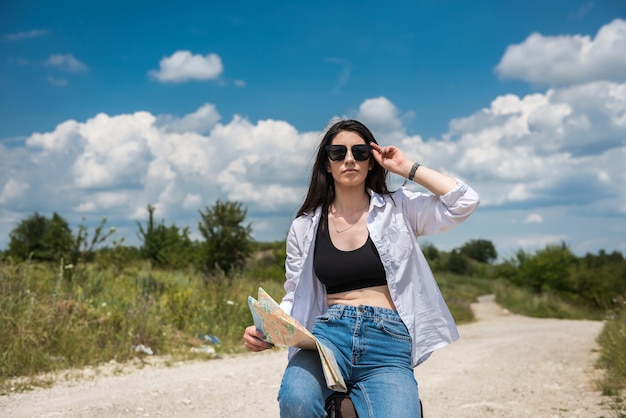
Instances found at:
x=370 y=165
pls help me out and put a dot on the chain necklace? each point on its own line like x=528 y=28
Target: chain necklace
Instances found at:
x=351 y=225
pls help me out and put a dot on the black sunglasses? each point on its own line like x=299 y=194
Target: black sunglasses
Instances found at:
x=360 y=152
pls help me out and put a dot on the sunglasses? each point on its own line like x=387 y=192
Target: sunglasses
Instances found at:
x=360 y=152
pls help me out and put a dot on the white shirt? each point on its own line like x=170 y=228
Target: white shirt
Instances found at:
x=394 y=222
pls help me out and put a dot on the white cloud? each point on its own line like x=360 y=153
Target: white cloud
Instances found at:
x=539 y=241
x=184 y=66
x=192 y=201
x=559 y=153
x=381 y=116
x=19 y=36
x=200 y=121
x=568 y=59
x=533 y=218
x=65 y=62
x=538 y=138
x=13 y=190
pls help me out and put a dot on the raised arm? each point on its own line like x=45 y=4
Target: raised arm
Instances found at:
x=394 y=161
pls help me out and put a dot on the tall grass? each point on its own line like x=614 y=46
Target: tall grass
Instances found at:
x=613 y=357
x=544 y=305
x=49 y=321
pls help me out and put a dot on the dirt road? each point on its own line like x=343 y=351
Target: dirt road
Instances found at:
x=504 y=366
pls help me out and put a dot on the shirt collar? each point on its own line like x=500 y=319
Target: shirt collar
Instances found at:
x=376 y=198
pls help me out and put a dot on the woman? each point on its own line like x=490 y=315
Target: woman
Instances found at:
x=356 y=277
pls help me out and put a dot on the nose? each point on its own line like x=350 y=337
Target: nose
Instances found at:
x=349 y=156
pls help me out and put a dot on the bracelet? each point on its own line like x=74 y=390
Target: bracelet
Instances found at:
x=411 y=173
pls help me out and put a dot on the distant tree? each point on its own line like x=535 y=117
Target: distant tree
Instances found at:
x=480 y=250
x=430 y=252
x=164 y=245
x=227 y=241
x=41 y=238
x=547 y=269
x=458 y=263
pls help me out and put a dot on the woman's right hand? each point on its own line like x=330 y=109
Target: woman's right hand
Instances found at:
x=253 y=340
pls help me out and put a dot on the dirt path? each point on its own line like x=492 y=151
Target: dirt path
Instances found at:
x=504 y=366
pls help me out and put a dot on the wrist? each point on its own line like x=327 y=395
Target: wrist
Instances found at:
x=411 y=174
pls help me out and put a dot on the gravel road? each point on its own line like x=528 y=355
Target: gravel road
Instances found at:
x=504 y=366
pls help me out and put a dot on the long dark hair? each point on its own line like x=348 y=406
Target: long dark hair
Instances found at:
x=322 y=188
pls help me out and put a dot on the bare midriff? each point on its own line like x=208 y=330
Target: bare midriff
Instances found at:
x=371 y=296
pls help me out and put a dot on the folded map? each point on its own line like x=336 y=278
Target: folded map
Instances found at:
x=283 y=330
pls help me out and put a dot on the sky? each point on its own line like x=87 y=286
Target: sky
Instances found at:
x=109 y=106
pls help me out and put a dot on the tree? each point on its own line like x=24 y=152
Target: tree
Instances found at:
x=40 y=238
x=458 y=263
x=430 y=252
x=228 y=242
x=548 y=269
x=165 y=245
x=84 y=247
x=480 y=250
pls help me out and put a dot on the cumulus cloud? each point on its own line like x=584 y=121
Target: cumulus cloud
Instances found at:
x=382 y=117
x=560 y=150
x=65 y=62
x=184 y=66
x=568 y=59
x=200 y=121
x=115 y=165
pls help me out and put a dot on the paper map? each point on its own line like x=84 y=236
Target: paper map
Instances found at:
x=283 y=330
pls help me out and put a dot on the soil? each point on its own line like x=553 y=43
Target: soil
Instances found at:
x=504 y=365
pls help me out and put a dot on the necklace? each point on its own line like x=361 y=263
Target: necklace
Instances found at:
x=339 y=231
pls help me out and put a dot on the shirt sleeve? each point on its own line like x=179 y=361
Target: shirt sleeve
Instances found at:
x=292 y=269
x=431 y=214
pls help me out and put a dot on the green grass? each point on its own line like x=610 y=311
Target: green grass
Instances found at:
x=50 y=320
x=545 y=305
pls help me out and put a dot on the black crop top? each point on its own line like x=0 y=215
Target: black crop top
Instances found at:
x=341 y=271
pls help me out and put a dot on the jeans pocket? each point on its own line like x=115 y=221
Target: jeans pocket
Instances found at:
x=395 y=329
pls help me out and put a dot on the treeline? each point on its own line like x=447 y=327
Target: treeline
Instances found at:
x=594 y=281
x=226 y=243
x=597 y=281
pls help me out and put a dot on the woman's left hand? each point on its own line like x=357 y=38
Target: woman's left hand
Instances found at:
x=391 y=159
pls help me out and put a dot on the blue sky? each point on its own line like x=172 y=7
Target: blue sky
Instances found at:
x=108 y=106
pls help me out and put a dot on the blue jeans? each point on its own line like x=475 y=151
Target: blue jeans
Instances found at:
x=373 y=349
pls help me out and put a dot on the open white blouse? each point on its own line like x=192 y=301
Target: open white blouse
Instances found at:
x=394 y=222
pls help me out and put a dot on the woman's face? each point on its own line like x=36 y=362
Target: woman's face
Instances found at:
x=349 y=171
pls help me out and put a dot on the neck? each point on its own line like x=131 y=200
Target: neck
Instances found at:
x=349 y=201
